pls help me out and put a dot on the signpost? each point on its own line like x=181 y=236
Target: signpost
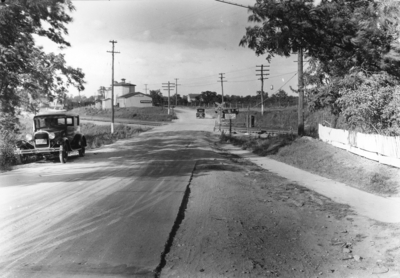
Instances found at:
x=228 y=114
x=219 y=109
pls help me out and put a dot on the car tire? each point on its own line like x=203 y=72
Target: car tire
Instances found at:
x=82 y=150
x=63 y=155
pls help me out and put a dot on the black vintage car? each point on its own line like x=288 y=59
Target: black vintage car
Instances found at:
x=200 y=113
x=55 y=134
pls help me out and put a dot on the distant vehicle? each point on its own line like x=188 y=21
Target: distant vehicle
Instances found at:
x=200 y=113
x=55 y=134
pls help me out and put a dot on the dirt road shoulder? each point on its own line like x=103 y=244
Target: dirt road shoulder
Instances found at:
x=243 y=221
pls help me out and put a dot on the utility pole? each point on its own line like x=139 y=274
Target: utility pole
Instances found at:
x=176 y=91
x=112 y=86
x=300 y=112
x=167 y=87
x=145 y=88
x=222 y=84
x=262 y=84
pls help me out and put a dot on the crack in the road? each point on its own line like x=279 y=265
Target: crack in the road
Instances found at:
x=175 y=227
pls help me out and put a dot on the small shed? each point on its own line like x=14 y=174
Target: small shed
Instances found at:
x=106 y=103
x=135 y=100
x=98 y=104
x=192 y=97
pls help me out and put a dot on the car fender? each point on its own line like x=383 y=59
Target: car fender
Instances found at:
x=84 y=141
x=65 y=142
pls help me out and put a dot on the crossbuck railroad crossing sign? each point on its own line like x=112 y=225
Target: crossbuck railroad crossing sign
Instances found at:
x=220 y=107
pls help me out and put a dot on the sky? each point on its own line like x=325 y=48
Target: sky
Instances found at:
x=161 y=40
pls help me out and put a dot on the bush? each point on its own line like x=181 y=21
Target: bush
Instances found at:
x=260 y=146
x=372 y=108
x=7 y=144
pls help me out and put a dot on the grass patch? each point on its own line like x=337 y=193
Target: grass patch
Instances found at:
x=260 y=146
x=97 y=135
x=325 y=160
x=156 y=114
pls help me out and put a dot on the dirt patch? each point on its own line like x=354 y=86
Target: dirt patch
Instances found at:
x=256 y=224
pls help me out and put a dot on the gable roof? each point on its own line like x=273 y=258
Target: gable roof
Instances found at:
x=133 y=94
x=126 y=84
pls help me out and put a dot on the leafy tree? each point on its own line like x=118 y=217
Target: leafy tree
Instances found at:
x=26 y=68
x=176 y=99
x=209 y=97
x=156 y=97
x=343 y=40
x=372 y=107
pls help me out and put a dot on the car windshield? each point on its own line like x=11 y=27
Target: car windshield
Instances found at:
x=49 y=122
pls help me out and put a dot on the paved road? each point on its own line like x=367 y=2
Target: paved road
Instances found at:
x=109 y=214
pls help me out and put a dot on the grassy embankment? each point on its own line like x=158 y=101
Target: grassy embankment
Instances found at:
x=321 y=158
x=96 y=135
x=153 y=114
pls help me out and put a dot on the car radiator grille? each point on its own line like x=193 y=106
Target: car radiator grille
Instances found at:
x=42 y=140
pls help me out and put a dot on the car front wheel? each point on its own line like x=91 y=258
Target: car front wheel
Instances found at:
x=63 y=155
x=82 y=150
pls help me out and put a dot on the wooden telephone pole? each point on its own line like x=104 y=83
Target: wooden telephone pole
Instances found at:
x=176 y=91
x=262 y=74
x=222 y=85
x=167 y=87
x=112 y=85
x=300 y=112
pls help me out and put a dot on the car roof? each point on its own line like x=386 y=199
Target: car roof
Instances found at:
x=57 y=114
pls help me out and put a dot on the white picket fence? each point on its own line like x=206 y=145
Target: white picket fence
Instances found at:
x=385 y=149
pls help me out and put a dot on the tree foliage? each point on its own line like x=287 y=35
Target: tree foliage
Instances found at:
x=156 y=97
x=346 y=43
x=24 y=67
x=373 y=107
x=208 y=97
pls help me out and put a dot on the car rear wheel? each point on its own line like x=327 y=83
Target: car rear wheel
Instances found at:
x=63 y=154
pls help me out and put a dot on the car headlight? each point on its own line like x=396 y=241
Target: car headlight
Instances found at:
x=28 y=137
x=52 y=135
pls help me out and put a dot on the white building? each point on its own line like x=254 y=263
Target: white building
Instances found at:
x=120 y=89
x=135 y=100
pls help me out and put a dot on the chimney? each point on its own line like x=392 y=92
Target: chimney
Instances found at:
x=123 y=80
